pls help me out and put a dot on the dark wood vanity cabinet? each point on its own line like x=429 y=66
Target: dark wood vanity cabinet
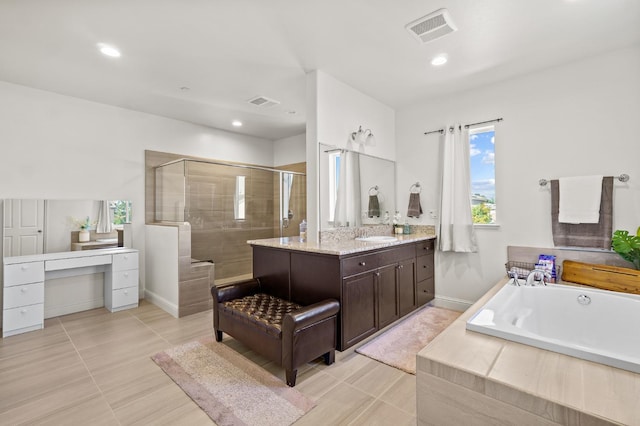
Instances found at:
x=375 y=288
x=425 y=284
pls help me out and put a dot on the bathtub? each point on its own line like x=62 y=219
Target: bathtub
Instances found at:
x=596 y=325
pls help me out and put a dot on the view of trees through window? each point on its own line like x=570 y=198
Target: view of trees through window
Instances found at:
x=483 y=174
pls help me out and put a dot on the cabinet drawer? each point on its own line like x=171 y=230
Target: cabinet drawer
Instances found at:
x=358 y=264
x=125 y=261
x=23 y=273
x=125 y=296
x=425 y=247
x=122 y=279
x=426 y=291
x=25 y=316
x=23 y=295
x=425 y=267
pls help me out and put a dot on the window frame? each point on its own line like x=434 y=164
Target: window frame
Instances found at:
x=473 y=131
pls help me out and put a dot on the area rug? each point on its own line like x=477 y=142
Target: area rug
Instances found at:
x=231 y=389
x=398 y=346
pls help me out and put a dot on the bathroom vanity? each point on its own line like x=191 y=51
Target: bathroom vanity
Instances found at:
x=25 y=278
x=376 y=283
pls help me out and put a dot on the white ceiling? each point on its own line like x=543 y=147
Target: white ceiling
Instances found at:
x=228 y=51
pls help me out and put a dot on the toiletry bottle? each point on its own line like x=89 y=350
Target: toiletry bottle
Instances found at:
x=406 y=229
x=303 y=230
x=385 y=221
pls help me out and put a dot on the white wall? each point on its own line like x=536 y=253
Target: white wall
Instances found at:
x=334 y=110
x=289 y=150
x=577 y=119
x=59 y=147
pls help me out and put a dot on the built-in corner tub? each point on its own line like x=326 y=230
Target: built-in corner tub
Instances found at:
x=596 y=325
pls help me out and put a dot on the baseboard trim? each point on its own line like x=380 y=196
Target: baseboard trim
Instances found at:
x=451 y=303
x=161 y=302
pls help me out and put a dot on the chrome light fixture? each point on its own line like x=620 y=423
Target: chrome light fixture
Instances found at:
x=363 y=137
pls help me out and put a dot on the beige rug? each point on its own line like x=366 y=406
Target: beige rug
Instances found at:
x=231 y=389
x=399 y=345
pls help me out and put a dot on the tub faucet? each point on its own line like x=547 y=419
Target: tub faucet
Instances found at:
x=537 y=277
x=513 y=274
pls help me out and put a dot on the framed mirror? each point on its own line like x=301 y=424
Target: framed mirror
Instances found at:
x=34 y=226
x=355 y=189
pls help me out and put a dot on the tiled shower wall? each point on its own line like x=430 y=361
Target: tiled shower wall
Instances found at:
x=216 y=234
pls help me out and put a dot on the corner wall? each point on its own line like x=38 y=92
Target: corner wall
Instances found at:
x=572 y=120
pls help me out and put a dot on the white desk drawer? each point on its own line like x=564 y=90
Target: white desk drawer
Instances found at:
x=23 y=273
x=77 y=262
x=125 y=296
x=25 y=316
x=122 y=279
x=125 y=261
x=23 y=295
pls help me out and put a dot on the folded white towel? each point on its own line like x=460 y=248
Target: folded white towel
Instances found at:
x=579 y=199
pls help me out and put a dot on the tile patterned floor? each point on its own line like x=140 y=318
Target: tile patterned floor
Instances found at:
x=94 y=367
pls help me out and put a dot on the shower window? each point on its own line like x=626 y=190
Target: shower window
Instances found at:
x=239 y=201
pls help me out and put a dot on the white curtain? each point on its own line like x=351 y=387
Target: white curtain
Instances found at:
x=105 y=221
x=347 y=212
x=456 y=224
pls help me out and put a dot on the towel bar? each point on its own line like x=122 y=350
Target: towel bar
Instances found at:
x=622 y=178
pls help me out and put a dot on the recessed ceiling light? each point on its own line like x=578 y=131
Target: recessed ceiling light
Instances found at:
x=236 y=123
x=439 y=60
x=108 y=50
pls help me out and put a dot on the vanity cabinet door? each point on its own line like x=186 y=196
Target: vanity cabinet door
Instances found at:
x=407 y=300
x=387 y=295
x=358 y=308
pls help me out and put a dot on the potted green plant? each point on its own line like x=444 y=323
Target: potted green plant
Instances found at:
x=627 y=246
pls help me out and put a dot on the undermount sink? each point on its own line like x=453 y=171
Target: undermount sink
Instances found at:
x=377 y=238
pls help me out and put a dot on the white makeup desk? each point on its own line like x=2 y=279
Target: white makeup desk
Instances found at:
x=26 y=276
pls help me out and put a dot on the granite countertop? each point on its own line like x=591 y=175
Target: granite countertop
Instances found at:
x=552 y=385
x=338 y=248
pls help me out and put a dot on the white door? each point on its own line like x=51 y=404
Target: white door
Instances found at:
x=23 y=227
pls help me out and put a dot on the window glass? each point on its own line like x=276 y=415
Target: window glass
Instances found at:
x=483 y=174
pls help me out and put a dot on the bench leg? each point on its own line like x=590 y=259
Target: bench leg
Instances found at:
x=329 y=357
x=218 y=335
x=291 y=377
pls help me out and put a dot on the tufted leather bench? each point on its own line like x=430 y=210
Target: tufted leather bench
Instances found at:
x=283 y=331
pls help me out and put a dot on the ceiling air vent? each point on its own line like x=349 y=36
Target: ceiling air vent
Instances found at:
x=263 y=102
x=432 y=26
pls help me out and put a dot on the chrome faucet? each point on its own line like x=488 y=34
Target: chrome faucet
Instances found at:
x=513 y=274
x=537 y=277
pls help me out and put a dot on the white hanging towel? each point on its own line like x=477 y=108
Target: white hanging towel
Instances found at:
x=580 y=199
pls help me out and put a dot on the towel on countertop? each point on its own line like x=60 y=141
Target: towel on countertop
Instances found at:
x=596 y=235
x=415 y=209
x=580 y=199
x=374 y=206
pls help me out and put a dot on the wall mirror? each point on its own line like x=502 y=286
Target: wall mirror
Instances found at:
x=355 y=189
x=33 y=226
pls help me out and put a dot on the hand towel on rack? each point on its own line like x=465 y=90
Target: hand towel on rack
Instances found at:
x=415 y=209
x=374 y=206
x=595 y=235
x=580 y=199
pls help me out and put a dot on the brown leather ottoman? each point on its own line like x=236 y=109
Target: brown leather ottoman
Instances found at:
x=283 y=331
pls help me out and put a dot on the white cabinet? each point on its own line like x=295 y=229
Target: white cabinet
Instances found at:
x=23 y=298
x=121 y=283
x=25 y=278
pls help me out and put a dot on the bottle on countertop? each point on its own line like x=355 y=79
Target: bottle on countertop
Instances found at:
x=303 y=230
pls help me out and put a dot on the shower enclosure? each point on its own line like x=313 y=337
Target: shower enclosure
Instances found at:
x=226 y=205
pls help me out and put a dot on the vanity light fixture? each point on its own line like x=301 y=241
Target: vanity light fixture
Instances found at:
x=439 y=60
x=236 y=123
x=363 y=137
x=109 y=50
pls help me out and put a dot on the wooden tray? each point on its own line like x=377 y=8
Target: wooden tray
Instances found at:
x=606 y=277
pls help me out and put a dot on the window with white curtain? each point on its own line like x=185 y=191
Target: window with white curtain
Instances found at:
x=483 y=174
